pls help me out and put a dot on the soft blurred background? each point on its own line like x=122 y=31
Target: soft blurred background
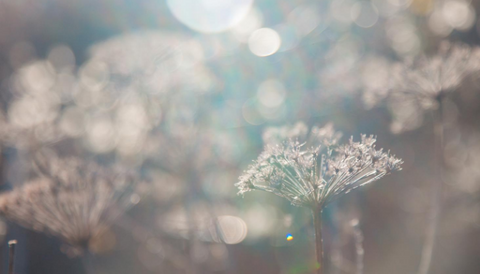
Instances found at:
x=181 y=90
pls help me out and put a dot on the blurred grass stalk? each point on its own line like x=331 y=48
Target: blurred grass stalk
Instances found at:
x=87 y=259
x=11 y=256
x=437 y=190
x=359 y=251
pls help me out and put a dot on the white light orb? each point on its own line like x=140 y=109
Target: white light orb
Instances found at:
x=271 y=93
x=264 y=42
x=364 y=14
x=210 y=16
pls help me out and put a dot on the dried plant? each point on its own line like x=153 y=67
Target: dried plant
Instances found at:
x=420 y=84
x=311 y=170
x=359 y=251
x=311 y=173
x=73 y=200
x=11 y=256
x=193 y=156
x=152 y=62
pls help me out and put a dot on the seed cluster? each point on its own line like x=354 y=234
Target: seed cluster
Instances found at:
x=313 y=172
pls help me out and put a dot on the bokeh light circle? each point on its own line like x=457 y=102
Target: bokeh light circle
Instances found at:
x=437 y=24
x=264 y=42
x=305 y=19
x=271 y=93
x=234 y=229
x=62 y=58
x=252 y=21
x=459 y=14
x=210 y=16
x=364 y=14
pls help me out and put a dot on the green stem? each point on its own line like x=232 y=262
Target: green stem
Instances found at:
x=317 y=223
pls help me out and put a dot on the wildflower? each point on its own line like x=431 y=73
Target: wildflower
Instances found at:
x=154 y=62
x=314 y=172
x=73 y=200
x=420 y=84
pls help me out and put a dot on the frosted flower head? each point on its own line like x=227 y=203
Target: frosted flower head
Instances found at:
x=74 y=200
x=312 y=176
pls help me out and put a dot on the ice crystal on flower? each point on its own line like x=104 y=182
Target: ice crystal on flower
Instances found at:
x=312 y=172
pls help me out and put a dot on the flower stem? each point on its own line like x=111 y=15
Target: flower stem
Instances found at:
x=11 y=256
x=317 y=223
x=88 y=262
x=359 y=251
x=437 y=189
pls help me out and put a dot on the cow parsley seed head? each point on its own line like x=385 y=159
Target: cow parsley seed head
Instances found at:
x=73 y=200
x=313 y=173
x=428 y=77
x=418 y=85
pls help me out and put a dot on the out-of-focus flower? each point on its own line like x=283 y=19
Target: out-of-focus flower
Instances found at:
x=430 y=77
x=375 y=73
x=115 y=101
x=335 y=69
x=326 y=135
x=150 y=62
x=448 y=15
x=31 y=116
x=312 y=173
x=73 y=200
x=28 y=137
x=275 y=135
x=419 y=84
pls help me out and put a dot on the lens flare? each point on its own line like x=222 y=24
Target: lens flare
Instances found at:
x=289 y=237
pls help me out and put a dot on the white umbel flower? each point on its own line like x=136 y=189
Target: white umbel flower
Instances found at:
x=312 y=172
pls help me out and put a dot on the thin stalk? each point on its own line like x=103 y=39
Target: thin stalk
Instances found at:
x=172 y=254
x=437 y=189
x=317 y=223
x=11 y=256
x=359 y=251
x=87 y=260
x=189 y=243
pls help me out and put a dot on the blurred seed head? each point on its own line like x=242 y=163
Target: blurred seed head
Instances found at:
x=72 y=199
